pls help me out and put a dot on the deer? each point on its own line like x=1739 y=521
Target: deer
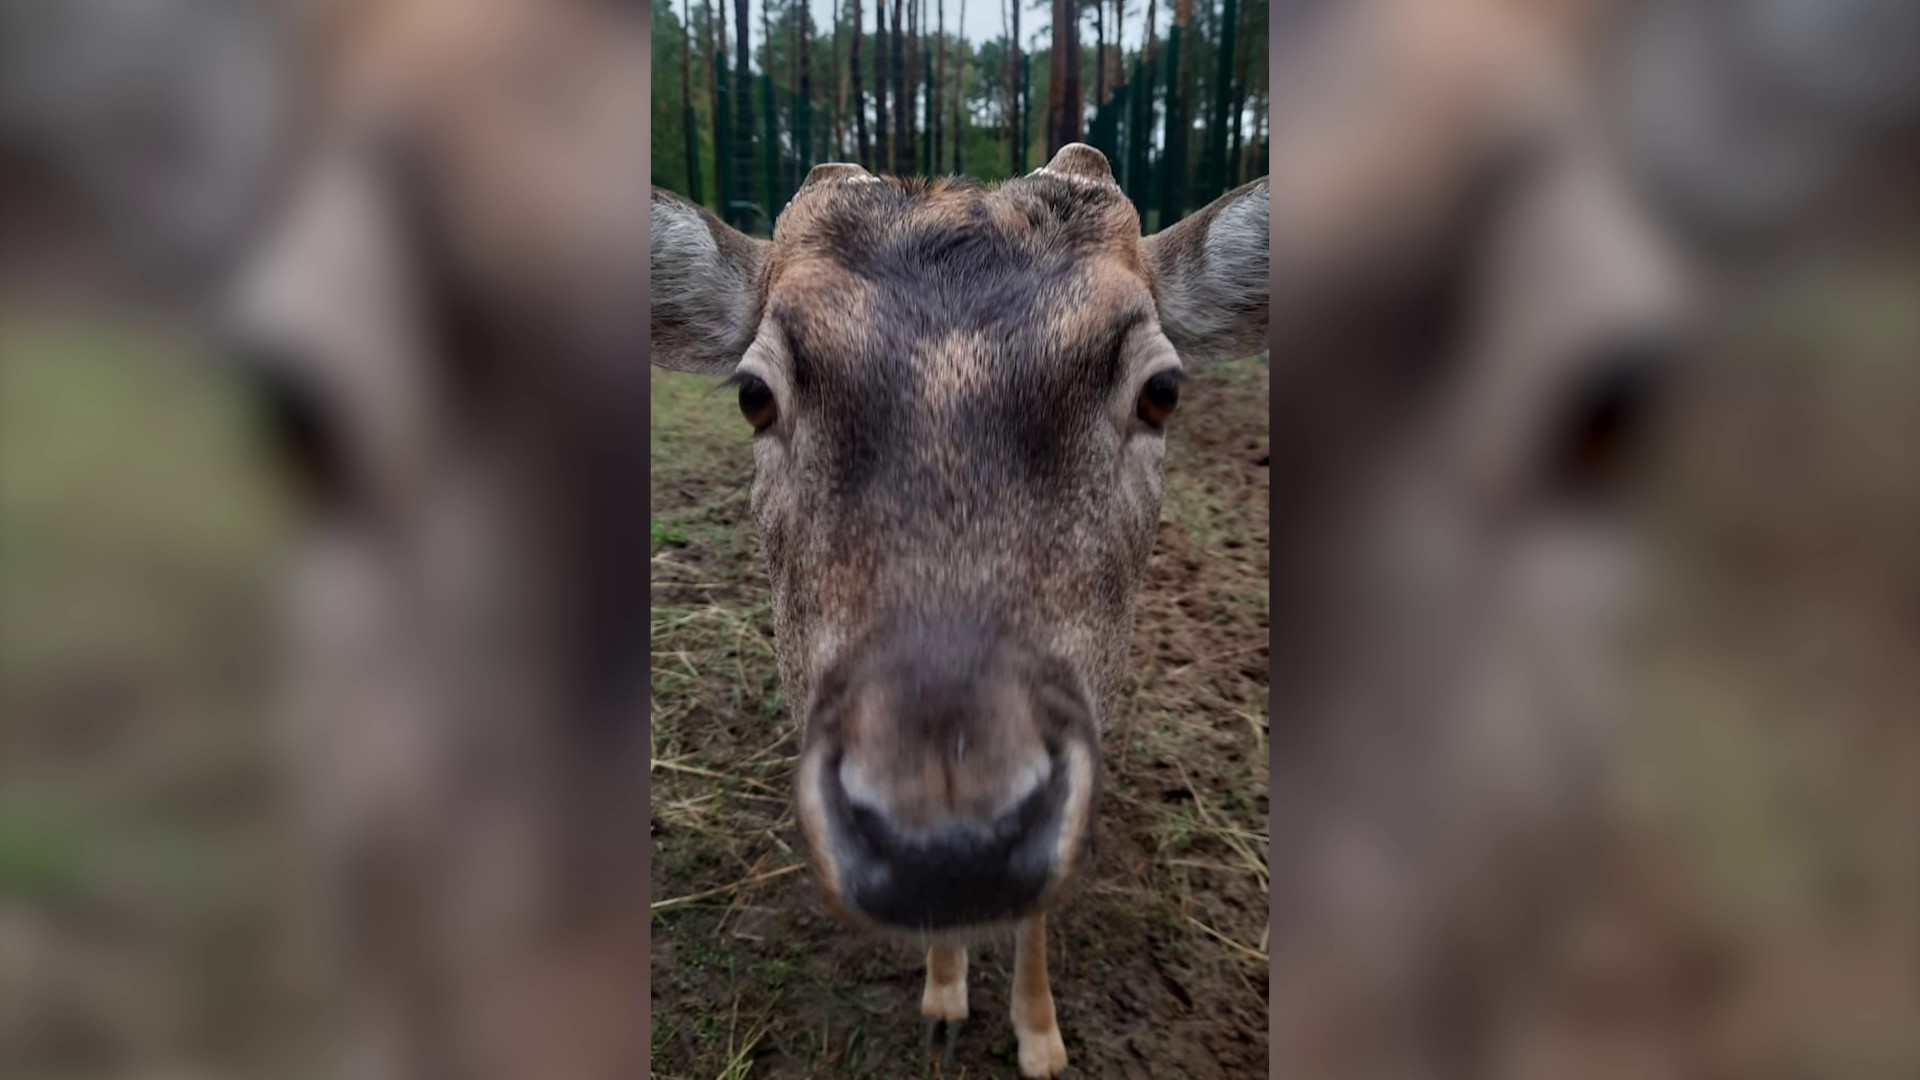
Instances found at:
x=1479 y=315
x=959 y=396
x=1501 y=227
x=439 y=318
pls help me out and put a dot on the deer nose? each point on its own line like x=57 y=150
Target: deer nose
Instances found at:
x=948 y=786
x=916 y=870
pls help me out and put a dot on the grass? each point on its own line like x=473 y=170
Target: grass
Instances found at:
x=142 y=881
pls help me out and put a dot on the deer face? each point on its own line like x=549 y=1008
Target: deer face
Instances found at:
x=959 y=398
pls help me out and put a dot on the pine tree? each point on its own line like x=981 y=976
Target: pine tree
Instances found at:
x=902 y=149
x=772 y=140
x=859 y=94
x=1064 y=100
x=882 y=143
x=837 y=109
x=804 y=141
x=1099 y=53
x=1173 y=154
x=927 y=137
x=742 y=99
x=960 y=92
x=1216 y=168
x=934 y=101
x=717 y=88
x=1016 y=128
x=692 y=129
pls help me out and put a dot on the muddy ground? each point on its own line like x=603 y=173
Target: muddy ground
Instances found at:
x=1158 y=965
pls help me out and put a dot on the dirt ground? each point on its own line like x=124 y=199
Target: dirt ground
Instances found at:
x=1158 y=965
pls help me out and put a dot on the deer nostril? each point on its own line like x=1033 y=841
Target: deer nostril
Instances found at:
x=870 y=828
x=1024 y=811
x=945 y=795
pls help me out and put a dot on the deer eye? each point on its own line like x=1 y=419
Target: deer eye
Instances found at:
x=1159 y=397
x=756 y=403
x=298 y=427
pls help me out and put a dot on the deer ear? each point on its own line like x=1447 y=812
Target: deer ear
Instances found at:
x=1080 y=162
x=1209 y=276
x=325 y=321
x=708 y=287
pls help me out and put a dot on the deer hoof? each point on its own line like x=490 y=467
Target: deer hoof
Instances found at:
x=1042 y=1054
x=952 y=1039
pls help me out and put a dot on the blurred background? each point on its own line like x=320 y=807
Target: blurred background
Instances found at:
x=1687 y=845
x=150 y=925
x=147 y=912
x=748 y=96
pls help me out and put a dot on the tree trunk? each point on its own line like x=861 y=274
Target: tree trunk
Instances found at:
x=722 y=132
x=1238 y=172
x=1100 y=53
x=1016 y=152
x=1075 y=128
x=881 y=124
x=913 y=78
x=795 y=57
x=935 y=101
x=916 y=139
x=1173 y=163
x=805 y=163
x=902 y=150
x=1026 y=108
x=1222 y=99
x=1057 y=76
x=686 y=101
x=1063 y=78
x=742 y=98
x=839 y=73
x=960 y=90
x=860 y=95
x=1146 y=85
x=772 y=139
x=928 y=139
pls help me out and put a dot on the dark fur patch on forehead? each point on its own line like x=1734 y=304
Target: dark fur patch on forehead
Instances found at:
x=864 y=264
x=860 y=224
x=938 y=328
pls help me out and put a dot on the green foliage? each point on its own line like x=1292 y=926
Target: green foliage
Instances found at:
x=1217 y=93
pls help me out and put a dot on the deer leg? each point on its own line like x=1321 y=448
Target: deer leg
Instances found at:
x=944 y=1001
x=1042 y=1054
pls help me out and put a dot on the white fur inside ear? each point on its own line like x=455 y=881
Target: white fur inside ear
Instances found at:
x=687 y=265
x=838 y=172
x=1213 y=302
x=1237 y=252
x=332 y=290
x=706 y=297
x=1084 y=181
